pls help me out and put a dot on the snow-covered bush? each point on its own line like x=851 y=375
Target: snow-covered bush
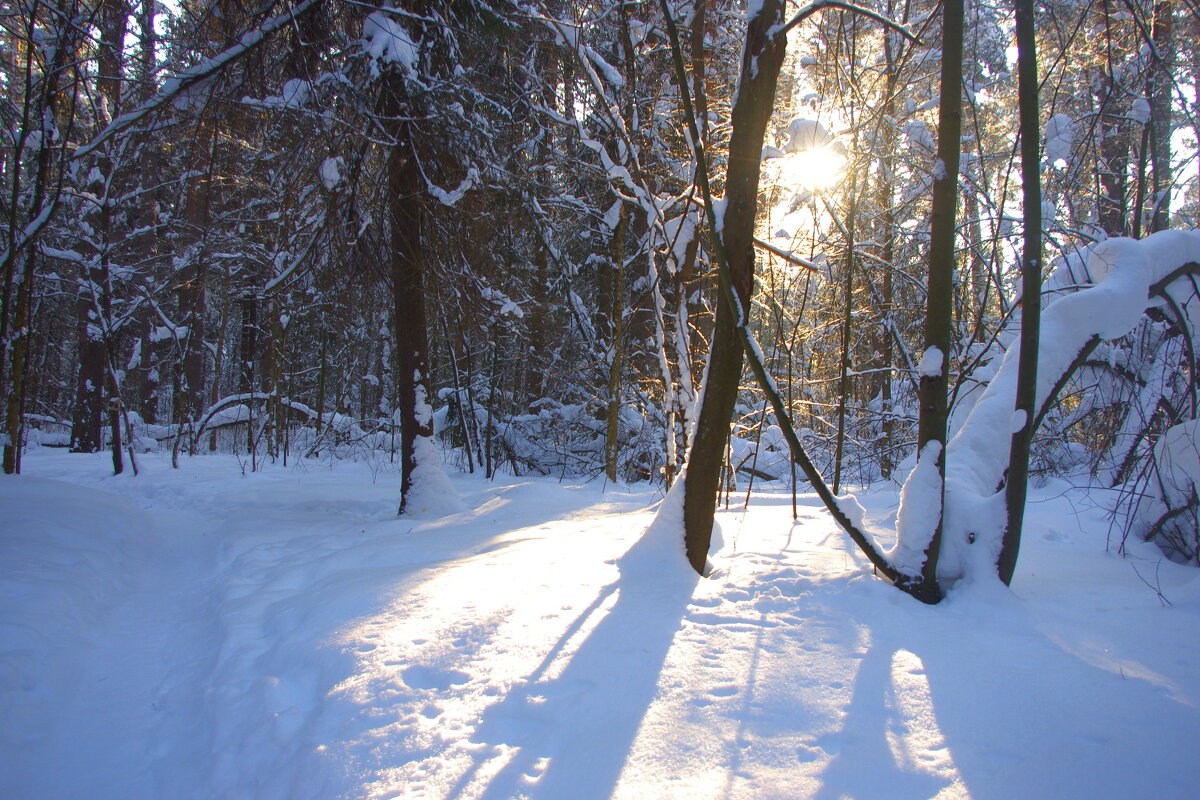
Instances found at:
x=1165 y=510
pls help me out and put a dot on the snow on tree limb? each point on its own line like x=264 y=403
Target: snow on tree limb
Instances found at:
x=178 y=84
x=1126 y=274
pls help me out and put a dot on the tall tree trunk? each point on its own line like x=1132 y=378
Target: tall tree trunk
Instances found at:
x=18 y=360
x=1031 y=290
x=887 y=237
x=615 y=288
x=1159 y=88
x=761 y=62
x=42 y=103
x=248 y=343
x=218 y=374
x=932 y=390
x=193 y=304
x=847 y=323
x=96 y=389
x=539 y=363
x=1113 y=133
x=699 y=80
x=87 y=418
x=406 y=188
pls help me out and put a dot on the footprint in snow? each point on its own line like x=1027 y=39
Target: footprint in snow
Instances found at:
x=832 y=743
x=419 y=677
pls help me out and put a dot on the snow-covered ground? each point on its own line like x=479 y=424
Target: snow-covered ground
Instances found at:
x=202 y=633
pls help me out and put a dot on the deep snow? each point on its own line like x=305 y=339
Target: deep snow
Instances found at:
x=202 y=633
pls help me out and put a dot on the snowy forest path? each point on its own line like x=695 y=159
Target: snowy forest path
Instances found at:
x=130 y=631
x=143 y=684
x=283 y=635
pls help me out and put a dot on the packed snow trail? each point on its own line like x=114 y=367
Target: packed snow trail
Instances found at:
x=203 y=634
x=130 y=650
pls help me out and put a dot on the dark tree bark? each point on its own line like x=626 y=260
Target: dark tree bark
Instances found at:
x=96 y=388
x=614 y=327
x=700 y=27
x=248 y=344
x=885 y=196
x=406 y=189
x=1016 y=481
x=1113 y=146
x=762 y=59
x=932 y=390
x=88 y=417
x=42 y=103
x=1159 y=88
x=193 y=304
x=847 y=325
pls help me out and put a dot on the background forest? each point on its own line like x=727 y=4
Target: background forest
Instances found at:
x=314 y=230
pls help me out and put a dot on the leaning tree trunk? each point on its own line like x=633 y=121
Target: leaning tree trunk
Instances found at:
x=760 y=71
x=761 y=62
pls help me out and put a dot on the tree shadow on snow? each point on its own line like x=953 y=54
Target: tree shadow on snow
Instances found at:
x=566 y=731
x=1023 y=716
x=867 y=757
x=985 y=700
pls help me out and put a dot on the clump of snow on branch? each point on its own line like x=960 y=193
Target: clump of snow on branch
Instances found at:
x=1060 y=136
x=931 y=364
x=388 y=42
x=452 y=197
x=294 y=94
x=1166 y=511
x=1049 y=213
x=806 y=134
x=331 y=173
x=1139 y=112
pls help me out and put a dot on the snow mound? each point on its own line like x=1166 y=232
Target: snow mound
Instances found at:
x=64 y=557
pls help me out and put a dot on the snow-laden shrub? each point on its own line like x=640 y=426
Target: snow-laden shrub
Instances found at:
x=1165 y=511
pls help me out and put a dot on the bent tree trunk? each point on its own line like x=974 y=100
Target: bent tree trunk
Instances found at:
x=761 y=61
x=732 y=242
x=1126 y=278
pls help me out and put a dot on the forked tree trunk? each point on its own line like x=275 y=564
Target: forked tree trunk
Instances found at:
x=41 y=108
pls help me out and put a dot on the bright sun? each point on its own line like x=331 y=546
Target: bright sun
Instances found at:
x=819 y=168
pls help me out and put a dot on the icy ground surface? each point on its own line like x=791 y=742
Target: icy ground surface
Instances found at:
x=203 y=634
